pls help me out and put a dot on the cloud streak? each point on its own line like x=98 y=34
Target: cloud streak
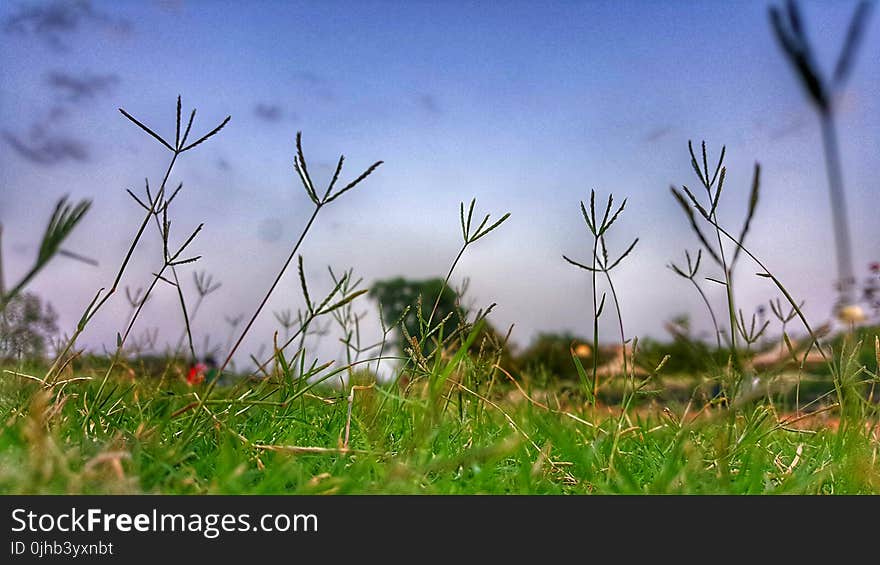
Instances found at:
x=316 y=84
x=43 y=144
x=48 y=149
x=657 y=134
x=55 y=21
x=429 y=103
x=270 y=230
x=75 y=89
x=269 y=112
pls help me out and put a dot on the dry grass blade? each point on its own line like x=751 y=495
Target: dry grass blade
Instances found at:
x=310 y=450
x=348 y=413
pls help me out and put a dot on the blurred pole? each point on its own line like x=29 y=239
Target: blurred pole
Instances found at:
x=788 y=27
x=2 y=285
x=845 y=277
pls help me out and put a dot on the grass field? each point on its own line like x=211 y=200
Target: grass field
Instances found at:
x=452 y=418
x=268 y=437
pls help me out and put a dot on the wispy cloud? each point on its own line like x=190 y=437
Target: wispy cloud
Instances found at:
x=170 y=6
x=657 y=134
x=44 y=148
x=316 y=85
x=44 y=143
x=76 y=88
x=54 y=21
x=270 y=229
x=792 y=128
x=429 y=103
x=269 y=112
x=797 y=120
x=310 y=77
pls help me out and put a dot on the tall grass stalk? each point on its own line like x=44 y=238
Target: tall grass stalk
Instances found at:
x=468 y=238
x=299 y=164
x=337 y=298
x=98 y=301
x=319 y=202
x=157 y=205
x=693 y=268
x=205 y=285
x=713 y=185
x=598 y=229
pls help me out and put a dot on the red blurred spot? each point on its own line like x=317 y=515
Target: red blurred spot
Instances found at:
x=196 y=374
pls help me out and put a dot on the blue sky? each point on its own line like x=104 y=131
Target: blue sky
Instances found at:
x=524 y=105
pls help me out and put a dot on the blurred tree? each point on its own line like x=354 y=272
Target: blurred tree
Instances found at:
x=395 y=295
x=551 y=352
x=398 y=294
x=25 y=326
x=688 y=353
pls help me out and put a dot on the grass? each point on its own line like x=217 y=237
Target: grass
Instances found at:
x=452 y=419
x=250 y=440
